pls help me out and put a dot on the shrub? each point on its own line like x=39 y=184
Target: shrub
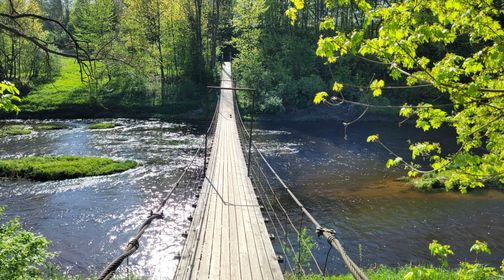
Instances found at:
x=22 y=253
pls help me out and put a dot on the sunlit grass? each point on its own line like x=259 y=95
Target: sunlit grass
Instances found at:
x=67 y=89
x=382 y=273
x=50 y=126
x=102 y=125
x=14 y=129
x=46 y=168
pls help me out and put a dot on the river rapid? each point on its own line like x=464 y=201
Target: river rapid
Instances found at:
x=344 y=183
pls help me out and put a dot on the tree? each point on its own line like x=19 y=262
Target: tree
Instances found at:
x=20 y=59
x=94 y=23
x=468 y=70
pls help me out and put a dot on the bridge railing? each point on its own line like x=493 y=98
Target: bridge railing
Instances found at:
x=190 y=180
x=305 y=246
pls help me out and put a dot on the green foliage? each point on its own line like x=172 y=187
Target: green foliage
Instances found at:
x=61 y=167
x=102 y=125
x=302 y=257
x=376 y=86
x=320 y=97
x=480 y=247
x=22 y=253
x=455 y=47
x=373 y=138
x=9 y=94
x=477 y=271
x=14 y=129
x=388 y=273
x=67 y=90
x=441 y=252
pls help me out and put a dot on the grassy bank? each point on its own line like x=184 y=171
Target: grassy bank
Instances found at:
x=61 y=167
x=387 y=273
x=66 y=90
x=472 y=272
x=68 y=97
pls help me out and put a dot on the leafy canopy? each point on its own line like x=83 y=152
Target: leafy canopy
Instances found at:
x=468 y=71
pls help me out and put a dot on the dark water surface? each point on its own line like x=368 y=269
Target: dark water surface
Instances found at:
x=344 y=183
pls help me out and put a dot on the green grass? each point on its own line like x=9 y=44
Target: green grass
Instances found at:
x=384 y=273
x=66 y=90
x=61 y=167
x=102 y=125
x=14 y=129
x=50 y=126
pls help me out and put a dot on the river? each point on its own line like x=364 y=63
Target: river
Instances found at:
x=343 y=182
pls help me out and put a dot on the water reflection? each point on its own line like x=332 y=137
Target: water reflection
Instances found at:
x=346 y=185
x=90 y=219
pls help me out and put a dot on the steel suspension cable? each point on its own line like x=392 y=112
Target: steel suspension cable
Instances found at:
x=282 y=208
x=274 y=226
x=134 y=243
x=327 y=233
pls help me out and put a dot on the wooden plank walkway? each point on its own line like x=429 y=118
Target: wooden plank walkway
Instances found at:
x=227 y=238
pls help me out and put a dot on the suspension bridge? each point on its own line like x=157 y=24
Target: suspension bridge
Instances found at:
x=241 y=227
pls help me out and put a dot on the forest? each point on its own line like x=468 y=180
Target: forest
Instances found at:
x=161 y=55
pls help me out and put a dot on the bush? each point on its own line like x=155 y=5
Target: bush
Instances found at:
x=22 y=253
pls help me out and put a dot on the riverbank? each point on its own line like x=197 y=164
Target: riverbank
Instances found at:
x=387 y=273
x=67 y=97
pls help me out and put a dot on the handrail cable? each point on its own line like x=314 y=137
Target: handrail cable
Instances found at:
x=289 y=242
x=134 y=243
x=282 y=208
x=328 y=234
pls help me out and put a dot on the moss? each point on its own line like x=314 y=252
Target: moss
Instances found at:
x=14 y=129
x=102 y=125
x=50 y=126
x=61 y=167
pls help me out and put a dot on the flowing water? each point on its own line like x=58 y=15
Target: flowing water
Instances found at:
x=343 y=182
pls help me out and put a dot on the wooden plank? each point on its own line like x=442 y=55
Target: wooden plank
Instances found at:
x=228 y=238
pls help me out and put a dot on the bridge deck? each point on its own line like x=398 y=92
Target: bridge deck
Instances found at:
x=227 y=238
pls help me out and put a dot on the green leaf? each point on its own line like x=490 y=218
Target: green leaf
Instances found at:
x=376 y=87
x=320 y=97
x=394 y=162
x=299 y=4
x=373 y=138
x=480 y=247
x=327 y=24
x=291 y=13
x=337 y=87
